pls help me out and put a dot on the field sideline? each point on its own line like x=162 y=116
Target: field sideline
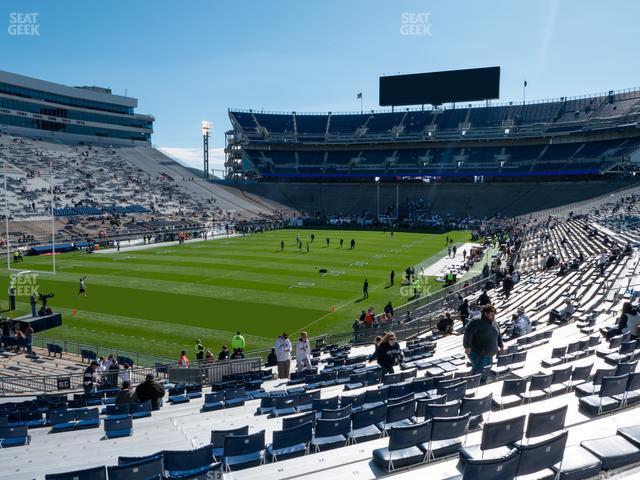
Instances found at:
x=159 y=300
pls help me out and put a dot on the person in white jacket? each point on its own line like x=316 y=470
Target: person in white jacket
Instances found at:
x=303 y=352
x=283 y=353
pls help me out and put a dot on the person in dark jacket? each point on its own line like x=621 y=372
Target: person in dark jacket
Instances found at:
x=445 y=325
x=126 y=395
x=388 y=352
x=507 y=286
x=150 y=390
x=224 y=354
x=484 y=299
x=464 y=312
x=482 y=339
x=272 y=358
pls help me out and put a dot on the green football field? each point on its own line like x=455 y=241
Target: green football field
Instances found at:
x=159 y=300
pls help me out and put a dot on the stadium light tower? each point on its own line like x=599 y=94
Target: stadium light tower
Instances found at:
x=206 y=131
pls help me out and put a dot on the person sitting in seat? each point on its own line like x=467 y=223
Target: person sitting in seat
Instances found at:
x=150 y=390
x=445 y=325
x=562 y=315
x=522 y=324
x=272 y=358
x=224 y=353
x=126 y=395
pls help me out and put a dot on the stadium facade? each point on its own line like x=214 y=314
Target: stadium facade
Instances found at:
x=38 y=108
x=572 y=139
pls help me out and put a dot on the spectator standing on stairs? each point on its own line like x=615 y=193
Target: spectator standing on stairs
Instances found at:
x=484 y=299
x=482 y=339
x=602 y=262
x=283 y=352
x=388 y=352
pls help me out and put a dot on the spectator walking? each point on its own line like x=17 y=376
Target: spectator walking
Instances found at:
x=90 y=378
x=388 y=310
x=283 y=353
x=602 y=262
x=112 y=375
x=303 y=352
x=150 y=390
x=507 y=286
x=388 y=353
x=482 y=339
x=484 y=298
x=28 y=336
x=125 y=374
x=464 y=312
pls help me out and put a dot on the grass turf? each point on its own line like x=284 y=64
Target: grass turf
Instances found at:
x=159 y=300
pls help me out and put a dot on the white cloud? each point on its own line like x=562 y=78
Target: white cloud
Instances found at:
x=192 y=157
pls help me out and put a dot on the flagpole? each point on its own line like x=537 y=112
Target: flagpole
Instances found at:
x=361 y=109
x=524 y=92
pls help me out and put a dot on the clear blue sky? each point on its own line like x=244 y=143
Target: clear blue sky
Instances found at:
x=190 y=60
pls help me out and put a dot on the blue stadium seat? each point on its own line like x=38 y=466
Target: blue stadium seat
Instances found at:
x=331 y=434
x=614 y=451
x=542 y=455
x=142 y=470
x=496 y=438
x=14 y=436
x=243 y=451
x=235 y=397
x=476 y=408
x=289 y=443
x=400 y=414
x=218 y=436
x=297 y=420
x=445 y=433
x=140 y=410
x=213 y=401
x=578 y=464
x=119 y=427
x=181 y=463
x=367 y=424
x=408 y=445
x=336 y=413
x=95 y=473
x=494 y=468
x=117 y=411
x=604 y=401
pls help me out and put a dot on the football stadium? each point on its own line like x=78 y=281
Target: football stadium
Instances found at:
x=360 y=239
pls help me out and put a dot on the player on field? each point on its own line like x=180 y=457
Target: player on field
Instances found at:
x=282 y=245
x=83 y=288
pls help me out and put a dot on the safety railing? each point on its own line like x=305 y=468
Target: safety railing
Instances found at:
x=67 y=383
x=75 y=348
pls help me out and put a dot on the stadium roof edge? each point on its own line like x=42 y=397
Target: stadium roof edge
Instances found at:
x=59 y=89
x=419 y=109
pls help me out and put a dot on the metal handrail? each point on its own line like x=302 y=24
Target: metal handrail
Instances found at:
x=67 y=383
x=74 y=348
